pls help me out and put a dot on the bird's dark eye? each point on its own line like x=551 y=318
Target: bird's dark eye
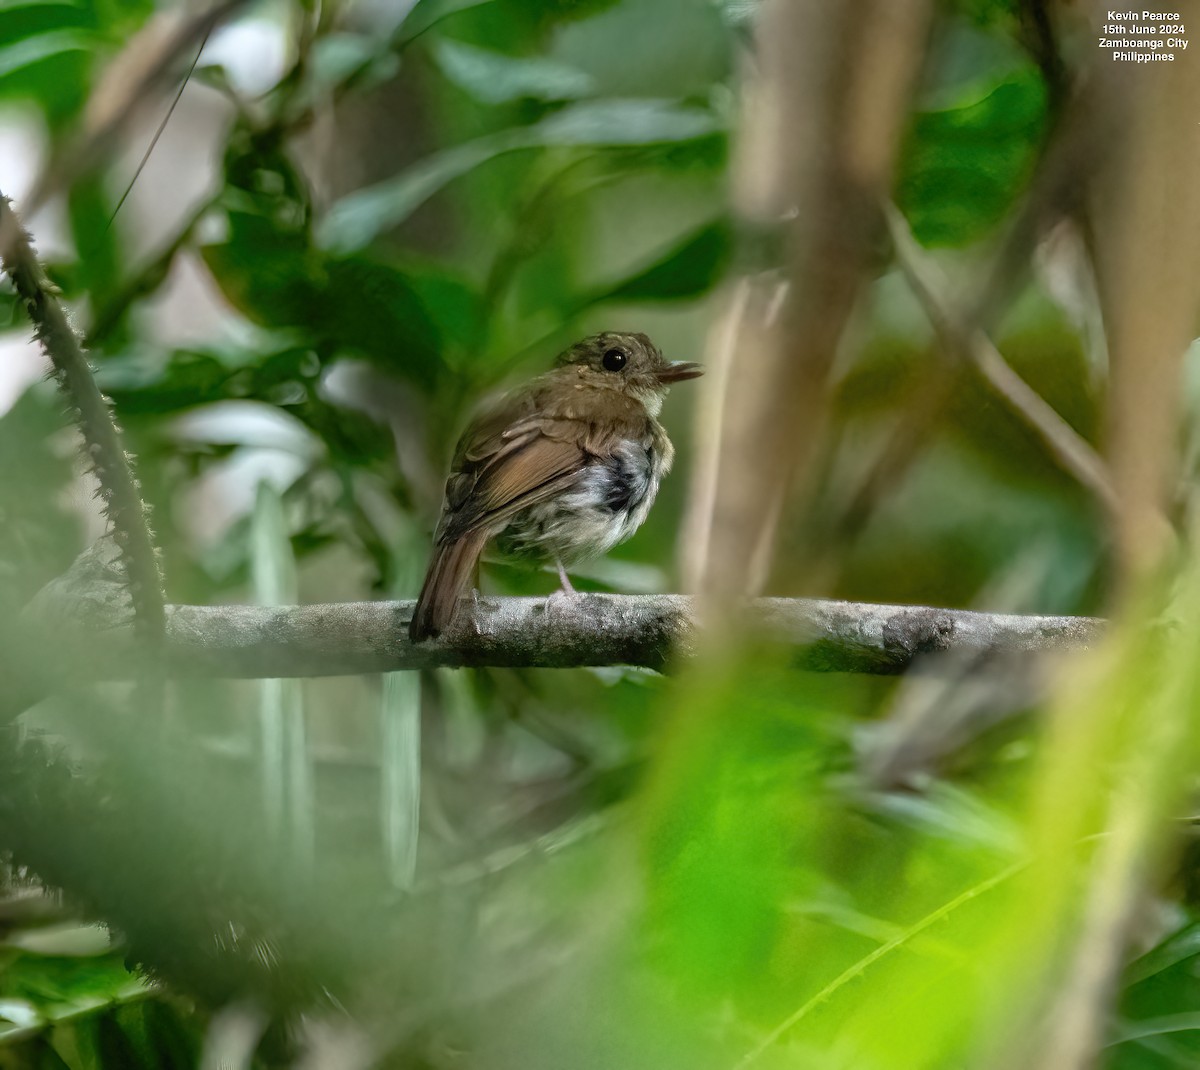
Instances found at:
x=614 y=360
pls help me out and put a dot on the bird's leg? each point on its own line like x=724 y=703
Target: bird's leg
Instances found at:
x=474 y=614
x=566 y=594
x=564 y=579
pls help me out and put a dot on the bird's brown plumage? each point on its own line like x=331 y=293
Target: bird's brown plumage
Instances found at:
x=538 y=445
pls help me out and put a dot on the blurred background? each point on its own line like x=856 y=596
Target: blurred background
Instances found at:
x=299 y=263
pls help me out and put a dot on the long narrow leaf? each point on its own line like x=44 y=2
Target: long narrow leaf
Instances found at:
x=286 y=770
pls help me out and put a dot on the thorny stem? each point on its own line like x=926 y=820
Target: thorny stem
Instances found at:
x=113 y=467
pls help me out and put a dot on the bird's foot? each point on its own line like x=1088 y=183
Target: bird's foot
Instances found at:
x=566 y=596
x=469 y=610
x=561 y=606
x=563 y=598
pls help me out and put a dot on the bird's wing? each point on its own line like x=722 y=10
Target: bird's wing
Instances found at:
x=528 y=462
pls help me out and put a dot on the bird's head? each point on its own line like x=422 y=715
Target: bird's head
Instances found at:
x=628 y=363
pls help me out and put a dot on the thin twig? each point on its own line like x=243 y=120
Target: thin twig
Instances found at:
x=860 y=967
x=161 y=127
x=1076 y=141
x=1070 y=449
x=84 y=151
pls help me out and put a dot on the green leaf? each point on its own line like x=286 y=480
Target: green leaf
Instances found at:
x=337 y=57
x=964 y=167
x=172 y=1036
x=356 y=220
x=95 y=241
x=19 y=21
x=1185 y=1022
x=114 y=1046
x=17 y=1014
x=359 y=218
x=30 y=50
x=738 y=14
x=70 y=940
x=1004 y=13
x=688 y=269
x=264 y=270
x=286 y=772
x=161 y=383
x=650 y=49
x=373 y=308
x=426 y=13
x=1177 y=948
x=273 y=568
x=338 y=63
x=62 y=986
x=76 y=1043
x=38 y=537
x=856 y=970
x=132 y=1020
x=338 y=303
x=10 y=307
x=454 y=307
x=400 y=772
x=625 y=122
x=47 y=50
x=966 y=63
x=400 y=731
x=154 y=382
x=494 y=78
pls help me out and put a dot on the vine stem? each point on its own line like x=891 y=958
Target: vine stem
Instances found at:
x=91 y=411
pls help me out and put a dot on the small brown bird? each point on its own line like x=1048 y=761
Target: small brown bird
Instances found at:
x=560 y=470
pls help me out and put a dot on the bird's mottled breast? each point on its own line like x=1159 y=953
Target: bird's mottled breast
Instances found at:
x=608 y=502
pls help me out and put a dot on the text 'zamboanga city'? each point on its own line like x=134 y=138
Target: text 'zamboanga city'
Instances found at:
x=1144 y=36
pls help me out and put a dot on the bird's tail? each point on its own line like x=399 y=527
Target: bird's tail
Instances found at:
x=450 y=572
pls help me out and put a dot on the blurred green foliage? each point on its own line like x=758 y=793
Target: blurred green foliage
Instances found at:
x=611 y=869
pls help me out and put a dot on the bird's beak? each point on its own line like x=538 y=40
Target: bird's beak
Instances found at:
x=678 y=370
